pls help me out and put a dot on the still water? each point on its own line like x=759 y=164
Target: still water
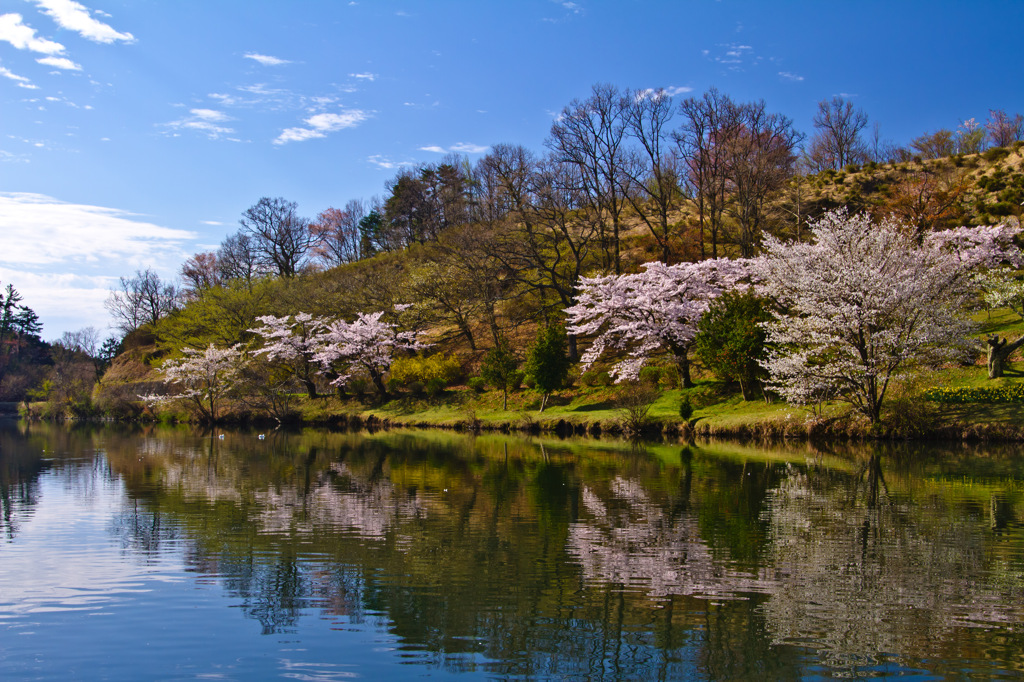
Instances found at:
x=160 y=553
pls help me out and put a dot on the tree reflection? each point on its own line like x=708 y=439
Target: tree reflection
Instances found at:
x=550 y=559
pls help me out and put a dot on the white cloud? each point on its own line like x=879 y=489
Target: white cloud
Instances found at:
x=388 y=164
x=319 y=125
x=364 y=76
x=42 y=231
x=24 y=37
x=20 y=80
x=790 y=76
x=207 y=121
x=674 y=90
x=65 y=257
x=266 y=60
x=460 y=147
x=60 y=63
x=75 y=17
x=468 y=148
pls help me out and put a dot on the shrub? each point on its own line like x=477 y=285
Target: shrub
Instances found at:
x=650 y=376
x=477 y=384
x=422 y=369
x=435 y=386
x=685 y=407
x=995 y=154
x=416 y=387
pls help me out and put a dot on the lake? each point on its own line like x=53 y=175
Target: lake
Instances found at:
x=169 y=553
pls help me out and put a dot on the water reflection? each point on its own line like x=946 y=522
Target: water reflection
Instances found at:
x=508 y=557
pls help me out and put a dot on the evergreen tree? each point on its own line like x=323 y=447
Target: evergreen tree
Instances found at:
x=548 y=361
x=499 y=368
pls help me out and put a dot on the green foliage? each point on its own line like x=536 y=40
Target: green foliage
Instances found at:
x=478 y=384
x=730 y=338
x=547 y=363
x=500 y=368
x=435 y=386
x=441 y=367
x=995 y=154
x=963 y=395
x=685 y=407
x=594 y=377
x=650 y=376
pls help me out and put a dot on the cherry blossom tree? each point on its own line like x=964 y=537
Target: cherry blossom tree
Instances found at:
x=203 y=379
x=656 y=309
x=366 y=344
x=293 y=342
x=867 y=301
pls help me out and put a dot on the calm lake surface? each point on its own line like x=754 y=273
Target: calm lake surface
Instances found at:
x=162 y=553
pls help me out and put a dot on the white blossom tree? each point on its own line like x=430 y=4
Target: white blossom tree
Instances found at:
x=293 y=343
x=366 y=345
x=202 y=379
x=657 y=309
x=866 y=301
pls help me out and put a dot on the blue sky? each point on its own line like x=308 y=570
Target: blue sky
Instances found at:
x=134 y=133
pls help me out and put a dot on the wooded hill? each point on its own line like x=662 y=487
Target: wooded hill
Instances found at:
x=467 y=255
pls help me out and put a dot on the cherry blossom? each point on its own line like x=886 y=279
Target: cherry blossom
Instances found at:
x=866 y=301
x=202 y=378
x=656 y=309
x=366 y=344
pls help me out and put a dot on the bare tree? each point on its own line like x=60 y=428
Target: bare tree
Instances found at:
x=200 y=272
x=141 y=300
x=281 y=238
x=237 y=259
x=654 y=168
x=1003 y=129
x=837 y=139
x=760 y=160
x=589 y=134
x=336 y=234
x=709 y=123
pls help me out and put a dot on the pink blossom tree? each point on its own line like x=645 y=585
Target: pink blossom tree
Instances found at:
x=867 y=301
x=365 y=345
x=203 y=378
x=657 y=309
x=293 y=342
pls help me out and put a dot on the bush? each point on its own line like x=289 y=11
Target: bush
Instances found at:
x=650 y=376
x=441 y=366
x=995 y=154
x=435 y=386
x=416 y=387
x=517 y=380
x=593 y=377
x=477 y=384
x=685 y=407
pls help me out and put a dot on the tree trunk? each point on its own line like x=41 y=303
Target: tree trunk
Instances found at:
x=999 y=351
x=310 y=388
x=683 y=367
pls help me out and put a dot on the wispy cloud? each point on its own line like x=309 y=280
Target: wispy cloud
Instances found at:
x=266 y=60
x=76 y=17
x=387 y=164
x=319 y=125
x=364 y=76
x=206 y=121
x=42 y=231
x=20 y=80
x=459 y=147
x=733 y=56
x=60 y=63
x=23 y=37
x=786 y=75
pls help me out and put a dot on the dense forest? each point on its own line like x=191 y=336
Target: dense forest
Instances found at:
x=467 y=273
